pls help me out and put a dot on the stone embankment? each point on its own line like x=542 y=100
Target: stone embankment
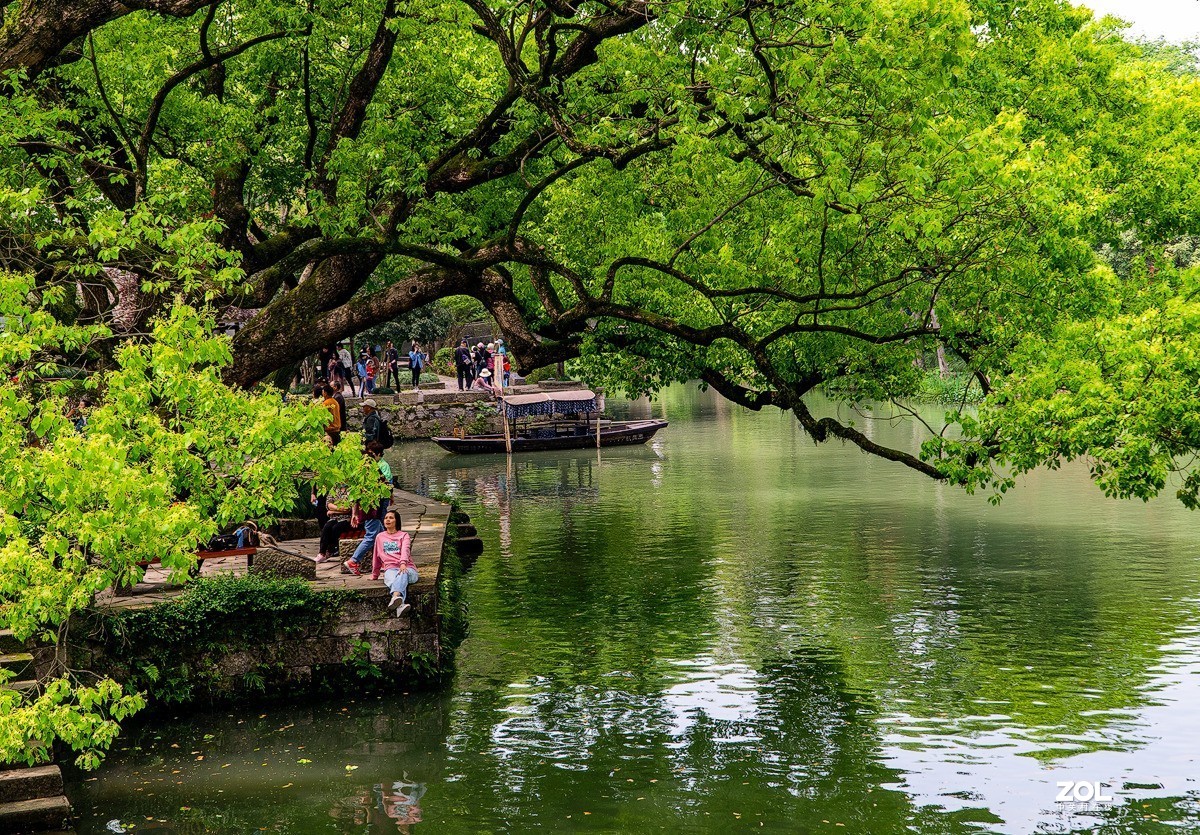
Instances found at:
x=414 y=415
x=357 y=637
x=31 y=798
x=349 y=639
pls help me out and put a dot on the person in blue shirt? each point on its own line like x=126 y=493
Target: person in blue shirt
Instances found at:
x=416 y=363
x=361 y=368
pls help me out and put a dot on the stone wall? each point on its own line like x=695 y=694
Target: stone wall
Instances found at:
x=421 y=415
x=437 y=413
x=360 y=643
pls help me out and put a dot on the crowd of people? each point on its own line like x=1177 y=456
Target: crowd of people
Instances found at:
x=479 y=367
x=482 y=367
x=336 y=366
x=389 y=547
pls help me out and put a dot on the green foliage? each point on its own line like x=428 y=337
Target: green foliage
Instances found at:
x=425 y=325
x=169 y=454
x=796 y=196
x=168 y=650
x=443 y=362
x=1117 y=391
x=359 y=659
x=955 y=389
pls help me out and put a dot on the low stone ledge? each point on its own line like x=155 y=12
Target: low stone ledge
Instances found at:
x=278 y=564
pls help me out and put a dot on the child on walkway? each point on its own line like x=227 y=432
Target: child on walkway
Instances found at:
x=393 y=556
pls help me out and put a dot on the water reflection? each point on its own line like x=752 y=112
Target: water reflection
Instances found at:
x=733 y=629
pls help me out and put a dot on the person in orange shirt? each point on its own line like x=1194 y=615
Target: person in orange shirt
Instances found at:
x=334 y=428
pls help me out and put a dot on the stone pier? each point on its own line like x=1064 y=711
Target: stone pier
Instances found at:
x=351 y=636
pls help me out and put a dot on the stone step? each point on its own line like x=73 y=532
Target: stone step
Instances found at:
x=8 y=643
x=468 y=546
x=35 y=815
x=30 y=783
x=18 y=663
x=26 y=686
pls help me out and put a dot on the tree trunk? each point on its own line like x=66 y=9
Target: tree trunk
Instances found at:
x=301 y=321
x=34 y=35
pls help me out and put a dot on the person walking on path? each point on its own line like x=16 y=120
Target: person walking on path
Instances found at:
x=393 y=556
x=391 y=358
x=338 y=387
x=478 y=355
x=464 y=365
x=416 y=363
x=371 y=520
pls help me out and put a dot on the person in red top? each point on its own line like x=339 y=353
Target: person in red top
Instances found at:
x=393 y=556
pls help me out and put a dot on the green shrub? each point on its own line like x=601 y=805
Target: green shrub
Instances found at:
x=958 y=387
x=443 y=362
x=384 y=390
x=546 y=372
x=430 y=378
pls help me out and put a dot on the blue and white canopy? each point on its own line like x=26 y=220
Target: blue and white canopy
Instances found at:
x=569 y=402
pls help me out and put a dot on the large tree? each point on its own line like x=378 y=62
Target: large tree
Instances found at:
x=769 y=197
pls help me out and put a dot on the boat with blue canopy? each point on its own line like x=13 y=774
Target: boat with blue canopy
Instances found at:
x=548 y=420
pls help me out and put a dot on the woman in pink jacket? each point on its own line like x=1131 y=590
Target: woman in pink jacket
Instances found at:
x=393 y=556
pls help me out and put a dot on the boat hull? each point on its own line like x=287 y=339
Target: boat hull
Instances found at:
x=616 y=434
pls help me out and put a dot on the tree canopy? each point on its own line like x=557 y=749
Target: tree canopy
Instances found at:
x=768 y=197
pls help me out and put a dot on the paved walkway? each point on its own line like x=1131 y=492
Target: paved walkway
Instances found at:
x=423 y=518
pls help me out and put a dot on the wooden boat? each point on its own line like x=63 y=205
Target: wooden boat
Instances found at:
x=550 y=432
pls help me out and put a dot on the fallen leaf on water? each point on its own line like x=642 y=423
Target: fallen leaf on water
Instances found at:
x=185 y=808
x=351 y=768
x=303 y=761
x=286 y=786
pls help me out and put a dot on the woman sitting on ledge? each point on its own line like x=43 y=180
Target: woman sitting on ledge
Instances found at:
x=393 y=556
x=338 y=507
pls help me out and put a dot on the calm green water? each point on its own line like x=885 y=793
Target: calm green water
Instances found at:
x=733 y=630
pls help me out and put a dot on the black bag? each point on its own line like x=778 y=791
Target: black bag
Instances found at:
x=221 y=542
x=385 y=438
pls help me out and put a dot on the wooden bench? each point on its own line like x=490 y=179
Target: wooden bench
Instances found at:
x=201 y=556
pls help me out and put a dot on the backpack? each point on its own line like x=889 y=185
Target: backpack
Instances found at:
x=221 y=542
x=385 y=437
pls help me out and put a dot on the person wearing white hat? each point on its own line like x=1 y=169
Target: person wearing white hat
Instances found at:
x=483 y=382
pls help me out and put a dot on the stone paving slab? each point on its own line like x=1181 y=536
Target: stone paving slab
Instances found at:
x=423 y=518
